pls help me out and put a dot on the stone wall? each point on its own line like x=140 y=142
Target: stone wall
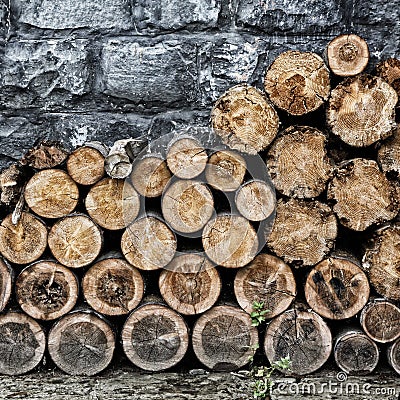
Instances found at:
x=78 y=70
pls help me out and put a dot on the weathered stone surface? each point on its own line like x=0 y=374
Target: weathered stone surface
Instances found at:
x=294 y=16
x=73 y=14
x=150 y=72
x=175 y=14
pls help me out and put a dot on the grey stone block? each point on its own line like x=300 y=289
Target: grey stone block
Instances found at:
x=150 y=72
x=175 y=14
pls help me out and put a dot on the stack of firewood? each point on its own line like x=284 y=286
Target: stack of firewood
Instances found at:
x=181 y=243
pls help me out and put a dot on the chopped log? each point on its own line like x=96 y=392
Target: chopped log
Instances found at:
x=24 y=242
x=155 y=337
x=336 y=288
x=303 y=336
x=389 y=154
x=348 y=55
x=355 y=352
x=46 y=154
x=393 y=355
x=75 y=241
x=187 y=205
x=86 y=165
x=224 y=339
x=256 y=200
x=381 y=260
x=389 y=71
x=190 y=284
x=303 y=232
x=117 y=163
x=225 y=170
x=361 y=110
x=51 y=193
x=112 y=203
x=186 y=157
x=46 y=290
x=230 y=241
x=297 y=82
x=22 y=343
x=245 y=119
x=380 y=320
x=298 y=163
x=6 y=283
x=113 y=287
x=362 y=194
x=150 y=175
x=81 y=343
x=148 y=243
x=266 y=279
x=12 y=183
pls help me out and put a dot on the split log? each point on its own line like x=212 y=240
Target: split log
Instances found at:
x=75 y=241
x=190 y=284
x=230 y=241
x=266 y=279
x=12 y=183
x=336 y=288
x=382 y=259
x=225 y=170
x=86 y=165
x=22 y=343
x=393 y=355
x=298 y=162
x=380 y=320
x=303 y=336
x=24 y=242
x=150 y=175
x=186 y=157
x=113 y=287
x=6 y=283
x=46 y=290
x=355 y=352
x=224 y=339
x=297 y=82
x=187 y=205
x=112 y=203
x=148 y=243
x=303 y=232
x=361 y=110
x=256 y=200
x=389 y=71
x=347 y=55
x=362 y=194
x=155 y=337
x=389 y=154
x=81 y=343
x=46 y=154
x=51 y=193
x=245 y=119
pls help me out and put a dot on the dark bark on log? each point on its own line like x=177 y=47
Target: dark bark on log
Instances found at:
x=6 y=283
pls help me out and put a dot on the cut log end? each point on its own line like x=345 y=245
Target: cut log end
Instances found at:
x=155 y=337
x=190 y=285
x=297 y=82
x=81 y=343
x=224 y=339
x=389 y=71
x=361 y=110
x=113 y=287
x=298 y=162
x=337 y=288
x=6 y=281
x=148 y=244
x=22 y=343
x=46 y=290
x=24 y=242
x=348 y=55
x=303 y=232
x=230 y=241
x=45 y=155
x=244 y=119
x=394 y=355
x=389 y=154
x=303 y=337
x=266 y=279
